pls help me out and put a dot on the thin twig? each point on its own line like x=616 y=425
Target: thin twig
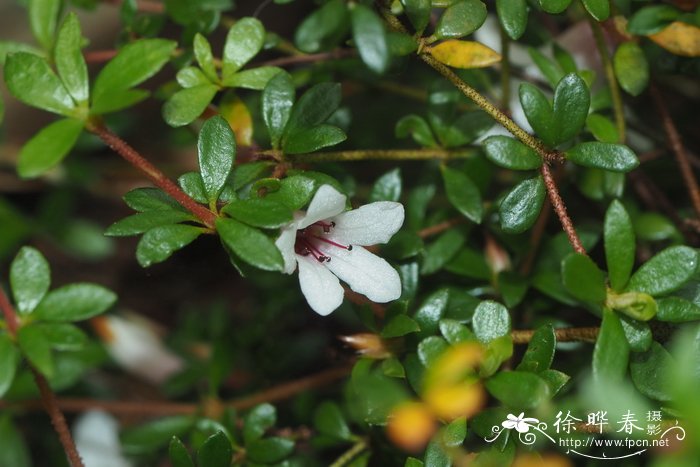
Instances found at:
x=348 y=456
x=307 y=58
x=8 y=312
x=560 y=209
x=441 y=227
x=562 y=334
x=378 y=154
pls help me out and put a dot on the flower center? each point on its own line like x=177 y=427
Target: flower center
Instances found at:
x=309 y=239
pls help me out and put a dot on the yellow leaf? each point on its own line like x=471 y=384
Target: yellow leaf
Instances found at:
x=679 y=38
x=464 y=54
x=238 y=117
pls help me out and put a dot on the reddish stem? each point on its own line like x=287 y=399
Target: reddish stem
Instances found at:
x=441 y=227
x=159 y=179
x=9 y=313
x=560 y=209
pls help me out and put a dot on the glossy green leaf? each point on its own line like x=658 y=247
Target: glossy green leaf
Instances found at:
x=398 y=326
x=549 y=68
x=599 y=9
x=117 y=100
x=215 y=452
x=270 y=450
x=518 y=389
x=469 y=263
x=30 y=79
x=619 y=245
x=243 y=42
x=602 y=128
x=387 y=187
x=177 y=452
x=611 y=352
x=582 y=278
x=48 y=147
x=430 y=348
x=255 y=78
x=413 y=462
x=521 y=207
x=462 y=193
x=257 y=421
x=418 y=12
x=540 y=351
x=217 y=151
x=43 y=16
x=69 y=59
x=35 y=346
x=75 y=302
x=631 y=68
x=329 y=420
x=638 y=333
x=64 y=336
x=497 y=352
x=418 y=128
x=538 y=112
x=145 y=221
x=323 y=28
x=651 y=19
x=193 y=185
x=11 y=47
x=159 y=243
x=513 y=16
x=455 y=332
x=554 y=6
x=571 y=102
x=295 y=191
x=648 y=370
x=277 y=101
x=186 y=105
x=665 y=272
x=554 y=379
x=135 y=63
x=435 y=455
x=431 y=311
x=30 y=278
x=251 y=245
x=370 y=38
x=190 y=77
x=461 y=18
x=491 y=320
x=442 y=250
x=308 y=140
x=510 y=153
x=636 y=305
x=614 y=157
x=150 y=199
x=677 y=310
x=9 y=357
x=204 y=56
x=455 y=432
x=262 y=212
x=313 y=107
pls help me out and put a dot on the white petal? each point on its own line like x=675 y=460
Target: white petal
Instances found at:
x=365 y=273
x=320 y=287
x=522 y=427
x=285 y=244
x=509 y=424
x=97 y=440
x=326 y=203
x=369 y=224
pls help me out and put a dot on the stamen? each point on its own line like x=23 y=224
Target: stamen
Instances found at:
x=325 y=225
x=331 y=242
x=310 y=249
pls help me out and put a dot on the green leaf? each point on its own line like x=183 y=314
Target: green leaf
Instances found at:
x=454 y=433
x=13 y=447
x=270 y=450
x=255 y=78
x=11 y=47
x=312 y=139
x=599 y=9
x=554 y=379
x=538 y=112
x=43 y=16
x=418 y=12
x=462 y=193
x=518 y=389
x=75 y=302
x=431 y=312
x=217 y=150
x=69 y=59
x=243 y=42
x=619 y=245
x=638 y=333
x=117 y=100
x=665 y=272
x=648 y=370
x=455 y=332
x=329 y=421
x=295 y=191
x=187 y=104
x=30 y=79
x=513 y=16
x=277 y=102
x=413 y=462
x=521 y=207
x=392 y=367
x=193 y=185
x=257 y=421
x=64 y=336
x=387 y=187
x=8 y=362
x=602 y=128
x=370 y=38
x=215 y=452
x=205 y=59
x=631 y=68
x=510 y=153
x=259 y=212
x=651 y=19
x=177 y=452
x=145 y=221
x=323 y=28
x=461 y=18
x=430 y=348
x=48 y=147
x=582 y=278
x=442 y=250
x=491 y=320
x=614 y=157
x=498 y=351
x=540 y=351
x=551 y=71
x=251 y=245
x=398 y=326
x=190 y=77
x=150 y=199
x=313 y=107
x=435 y=455
x=135 y=63
x=418 y=128
x=35 y=348
x=30 y=278
x=677 y=310
x=637 y=305
x=611 y=351
x=554 y=6
x=571 y=103
x=159 y=243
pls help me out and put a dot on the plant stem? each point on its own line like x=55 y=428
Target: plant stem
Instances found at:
x=307 y=58
x=378 y=154
x=441 y=227
x=560 y=209
x=349 y=455
x=48 y=398
x=674 y=139
x=158 y=178
x=562 y=334
x=615 y=94
x=505 y=70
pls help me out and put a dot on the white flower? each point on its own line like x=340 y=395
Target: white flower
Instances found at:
x=96 y=435
x=522 y=425
x=326 y=243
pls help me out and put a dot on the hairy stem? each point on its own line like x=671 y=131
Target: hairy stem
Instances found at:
x=615 y=94
x=376 y=154
x=560 y=209
x=562 y=334
x=154 y=174
x=441 y=227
